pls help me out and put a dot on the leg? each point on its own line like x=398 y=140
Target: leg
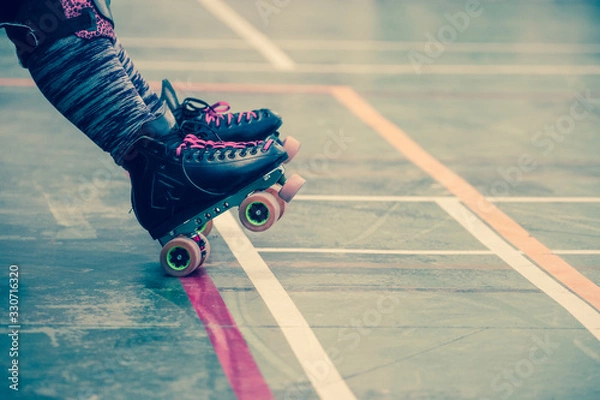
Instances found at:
x=151 y=99
x=97 y=95
x=77 y=66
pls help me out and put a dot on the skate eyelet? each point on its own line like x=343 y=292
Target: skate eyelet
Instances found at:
x=243 y=153
x=253 y=152
x=221 y=157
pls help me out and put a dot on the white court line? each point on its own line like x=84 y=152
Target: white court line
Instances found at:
x=256 y=39
x=370 y=69
x=376 y=252
x=408 y=252
x=363 y=45
x=582 y=311
x=369 y=199
x=329 y=384
x=577 y=252
x=185 y=43
x=482 y=47
x=432 y=199
x=204 y=66
x=544 y=199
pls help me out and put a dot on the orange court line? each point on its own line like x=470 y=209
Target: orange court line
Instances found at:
x=16 y=82
x=471 y=197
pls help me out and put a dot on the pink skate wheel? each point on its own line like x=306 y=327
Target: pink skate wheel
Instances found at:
x=291 y=187
x=207 y=249
x=204 y=246
x=292 y=147
x=259 y=211
x=274 y=190
x=180 y=256
x=206 y=228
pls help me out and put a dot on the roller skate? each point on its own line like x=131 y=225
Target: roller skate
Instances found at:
x=214 y=122
x=180 y=186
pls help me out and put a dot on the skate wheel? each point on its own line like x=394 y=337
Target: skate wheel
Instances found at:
x=274 y=190
x=259 y=211
x=207 y=253
x=180 y=257
x=292 y=147
x=203 y=245
x=206 y=228
x=291 y=187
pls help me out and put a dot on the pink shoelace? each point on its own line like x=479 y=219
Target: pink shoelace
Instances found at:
x=216 y=112
x=193 y=142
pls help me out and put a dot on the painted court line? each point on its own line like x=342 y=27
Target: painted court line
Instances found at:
x=433 y=199
x=583 y=312
x=16 y=82
x=471 y=197
x=274 y=88
x=408 y=252
x=369 y=69
x=244 y=29
x=440 y=69
x=289 y=88
x=577 y=252
x=367 y=199
x=375 y=252
x=362 y=45
x=457 y=47
x=328 y=383
x=233 y=353
x=185 y=43
x=544 y=199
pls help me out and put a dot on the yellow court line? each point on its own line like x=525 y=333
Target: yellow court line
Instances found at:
x=471 y=197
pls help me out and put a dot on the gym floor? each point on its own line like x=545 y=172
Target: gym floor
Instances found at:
x=446 y=245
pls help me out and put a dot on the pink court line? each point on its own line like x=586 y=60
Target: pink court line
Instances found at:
x=232 y=350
